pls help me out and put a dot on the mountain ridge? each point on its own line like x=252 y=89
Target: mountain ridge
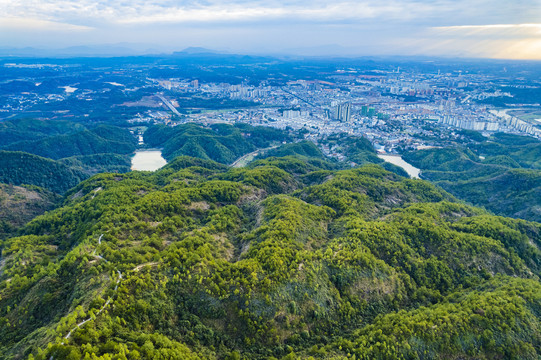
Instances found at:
x=260 y=262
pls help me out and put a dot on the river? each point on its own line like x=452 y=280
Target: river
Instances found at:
x=147 y=160
x=397 y=160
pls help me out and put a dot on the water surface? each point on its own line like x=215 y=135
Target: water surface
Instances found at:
x=147 y=160
x=397 y=160
x=69 y=89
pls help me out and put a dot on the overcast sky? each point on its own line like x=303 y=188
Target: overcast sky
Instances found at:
x=473 y=28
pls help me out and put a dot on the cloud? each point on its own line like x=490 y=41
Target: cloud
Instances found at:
x=29 y=24
x=144 y=12
x=129 y=12
x=504 y=41
x=493 y=28
x=220 y=13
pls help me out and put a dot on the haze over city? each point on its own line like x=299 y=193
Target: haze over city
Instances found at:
x=478 y=28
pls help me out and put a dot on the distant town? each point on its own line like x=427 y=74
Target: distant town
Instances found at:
x=396 y=107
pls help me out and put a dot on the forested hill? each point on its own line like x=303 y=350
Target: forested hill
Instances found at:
x=20 y=168
x=18 y=205
x=104 y=139
x=221 y=142
x=81 y=151
x=279 y=260
x=13 y=131
x=501 y=173
x=60 y=139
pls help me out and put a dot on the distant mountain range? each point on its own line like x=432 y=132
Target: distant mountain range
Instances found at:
x=128 y=49
x=87 y=50
x=134 y=49
x=123 y=49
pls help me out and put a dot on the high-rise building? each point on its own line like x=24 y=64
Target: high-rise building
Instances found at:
x=367 y=111
x=290 y=114
x=343 y=112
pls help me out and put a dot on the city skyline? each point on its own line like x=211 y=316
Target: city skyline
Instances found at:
x=481 y=28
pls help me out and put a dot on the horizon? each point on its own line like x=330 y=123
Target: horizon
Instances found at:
x=440 y=28
x=125 y=50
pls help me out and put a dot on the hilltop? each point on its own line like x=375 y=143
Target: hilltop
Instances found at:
x=280 y=259
x=501 y=173
x=20 y=204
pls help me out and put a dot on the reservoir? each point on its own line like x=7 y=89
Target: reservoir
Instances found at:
x=69 y=89
x=147 y=160
x=397 y=160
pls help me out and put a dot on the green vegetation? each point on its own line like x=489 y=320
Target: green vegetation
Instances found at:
x=524 y=150
x=358 y=151
x=98 y=163
x=60 y=139
x=501 y=173
x=18 y=205
x=283 y=259
x=19 y=168
x=222 y=143
x=306 y=149
x=518 y=96
x=80 y=152
x=103 y=139
x=30 y=129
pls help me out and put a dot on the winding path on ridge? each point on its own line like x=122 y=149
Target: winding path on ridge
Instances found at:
x=110 y=299
x=238 y=162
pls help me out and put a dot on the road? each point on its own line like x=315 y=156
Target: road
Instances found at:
x=169 y=105
x=108 y=300
x=238 y=162
x=298 y=97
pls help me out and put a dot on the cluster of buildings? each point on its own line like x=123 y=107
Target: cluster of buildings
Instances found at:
x=396 y=109
x=393 y=104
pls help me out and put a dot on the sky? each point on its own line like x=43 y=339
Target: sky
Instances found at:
x=506 y=29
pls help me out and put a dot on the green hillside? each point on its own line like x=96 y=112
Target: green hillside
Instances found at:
x=58 y=176
x=222 y=143
x=279 y=260
x=358 y=151
x=523 y=149
x=82 y=151
x=12 y=131
x=19 y=168
x=18 y=205
x=505 y=182
x=98 y=163
x=87 y=142
x=304 y=149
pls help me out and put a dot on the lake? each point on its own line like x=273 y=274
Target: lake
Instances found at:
x=69 y=89
x=147 y=160
x=397 y=160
